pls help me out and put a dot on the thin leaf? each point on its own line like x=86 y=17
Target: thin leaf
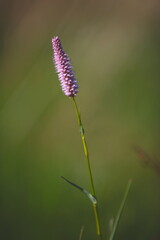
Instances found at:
x=73 y=184
x=89 y=195
x=116 y=222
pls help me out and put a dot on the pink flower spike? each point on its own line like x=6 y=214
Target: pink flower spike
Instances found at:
x=64 y=69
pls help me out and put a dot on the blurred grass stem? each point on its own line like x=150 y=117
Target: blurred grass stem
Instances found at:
x=86 y=152
x=115 y=226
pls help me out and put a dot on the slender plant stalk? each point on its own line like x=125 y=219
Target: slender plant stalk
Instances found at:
x=115 y=226
x=70 y=88
x=81 y=233
x=95 y=207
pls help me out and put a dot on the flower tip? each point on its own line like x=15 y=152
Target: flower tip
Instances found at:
x=55 y=38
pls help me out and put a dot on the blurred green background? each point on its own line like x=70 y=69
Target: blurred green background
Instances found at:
x=114 y=47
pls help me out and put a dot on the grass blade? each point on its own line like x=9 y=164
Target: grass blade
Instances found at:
x=89 y=195
x=81 y=233
x=116 y=222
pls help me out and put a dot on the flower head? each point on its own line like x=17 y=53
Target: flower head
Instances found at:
x=64 y=69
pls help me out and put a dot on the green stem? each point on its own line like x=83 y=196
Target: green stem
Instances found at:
x=95 y=207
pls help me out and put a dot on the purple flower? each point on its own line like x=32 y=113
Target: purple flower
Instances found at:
x=64 y=69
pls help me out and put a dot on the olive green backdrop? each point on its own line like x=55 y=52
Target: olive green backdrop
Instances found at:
x=114 y=48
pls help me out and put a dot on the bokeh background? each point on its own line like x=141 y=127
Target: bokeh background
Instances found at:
x=114 y=47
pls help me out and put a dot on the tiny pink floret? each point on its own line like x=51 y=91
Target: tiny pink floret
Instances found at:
x=64 y=69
